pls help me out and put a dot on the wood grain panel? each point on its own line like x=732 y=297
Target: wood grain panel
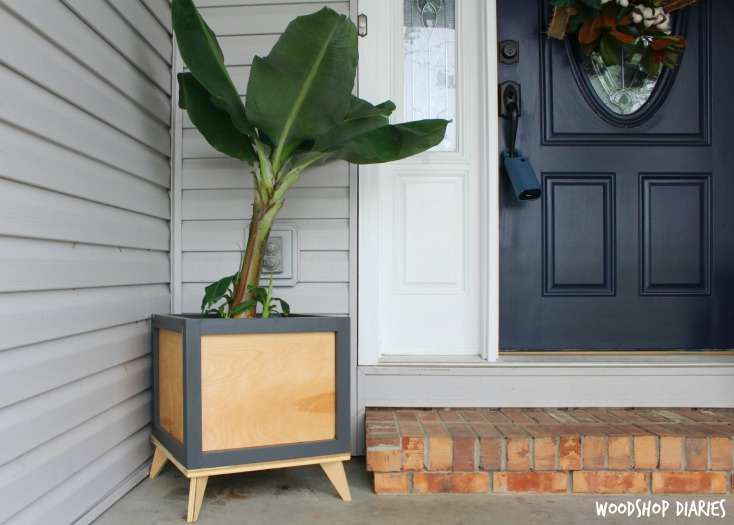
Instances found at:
x=170 y=383
x=267 y=389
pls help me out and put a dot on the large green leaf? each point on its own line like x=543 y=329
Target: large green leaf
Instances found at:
x=389 y=143
x=302 y=89
x=214 y=124
x=203 y=56
x=361 y=118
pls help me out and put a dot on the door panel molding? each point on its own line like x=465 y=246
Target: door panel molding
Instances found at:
x=667 y=234
x=578 y=234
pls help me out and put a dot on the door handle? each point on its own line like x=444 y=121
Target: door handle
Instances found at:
x=522 y=176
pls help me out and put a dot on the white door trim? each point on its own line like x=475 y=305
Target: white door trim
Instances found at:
x=372 y=52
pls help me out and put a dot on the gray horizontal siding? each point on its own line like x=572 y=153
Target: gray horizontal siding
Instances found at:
x=216 y=191
x=84 y=248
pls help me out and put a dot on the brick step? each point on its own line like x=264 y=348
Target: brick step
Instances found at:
x=597 y=451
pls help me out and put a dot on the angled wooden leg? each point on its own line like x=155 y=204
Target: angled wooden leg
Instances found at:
x=196 y=495
x=159 y=461
x=335 y=472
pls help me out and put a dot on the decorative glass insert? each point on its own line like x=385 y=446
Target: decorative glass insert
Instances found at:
x=623 y=88
x=429 y=64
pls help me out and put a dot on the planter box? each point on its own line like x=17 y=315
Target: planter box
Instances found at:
x=231 y=395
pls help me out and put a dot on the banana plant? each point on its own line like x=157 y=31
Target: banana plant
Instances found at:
x=299 y=111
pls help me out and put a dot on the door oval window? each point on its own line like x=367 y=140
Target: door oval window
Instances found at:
x=624 y=94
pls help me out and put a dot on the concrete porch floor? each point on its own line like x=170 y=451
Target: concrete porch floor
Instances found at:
x=303 y=495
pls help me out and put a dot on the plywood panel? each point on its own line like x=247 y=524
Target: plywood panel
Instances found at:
x=267 y=389
x=170 y=382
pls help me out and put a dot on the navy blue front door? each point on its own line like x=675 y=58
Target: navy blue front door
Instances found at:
x=631 y=245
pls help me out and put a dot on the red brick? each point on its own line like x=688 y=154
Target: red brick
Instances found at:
x=407 y=415
x=376 y=439
x=689 y=482
x=594 y=452
x=490 y=454
x=472 y=416
x=410 y=429
x=494 y=416
x=413 y=453
x=451 y=483
x=428 y=416
x=646 y=452
x=450 y=416
x=721 y=453
x=620 y=453
x=543 y=482
x=609 y=482
x=582 y=416
x=540 y=416
x=463 y=452
x=544 y=453
x=697 y=453
x=671 y=453
x=562 y=416
x=604 y=415
x=569 y=452
x=383 y=460
x=628 y=416
x=391 y=482
x=380 y=415
x=517 y=416
x=518 y=454
x=440 y=450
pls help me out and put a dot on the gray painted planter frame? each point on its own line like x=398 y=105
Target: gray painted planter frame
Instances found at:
x=190 y=453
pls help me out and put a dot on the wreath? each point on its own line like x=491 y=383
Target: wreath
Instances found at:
x=616 y=28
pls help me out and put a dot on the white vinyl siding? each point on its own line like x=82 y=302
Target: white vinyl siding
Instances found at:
x=85 y=106
x=217 y=191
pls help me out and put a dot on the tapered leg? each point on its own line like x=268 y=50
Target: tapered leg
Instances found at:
x=196 y=495
x=335 y=471
x=159 y=461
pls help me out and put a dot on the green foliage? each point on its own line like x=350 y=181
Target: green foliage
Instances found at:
x=217 y=297
x=619 y=27
x=299 y=111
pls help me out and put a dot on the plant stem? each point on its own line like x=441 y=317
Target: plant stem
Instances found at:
x=263 y=215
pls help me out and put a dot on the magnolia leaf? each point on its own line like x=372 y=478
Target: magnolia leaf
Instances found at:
x=593 y=4
x=609 y=50
x=214 y=124
x=203 y=56
x=302 y=89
